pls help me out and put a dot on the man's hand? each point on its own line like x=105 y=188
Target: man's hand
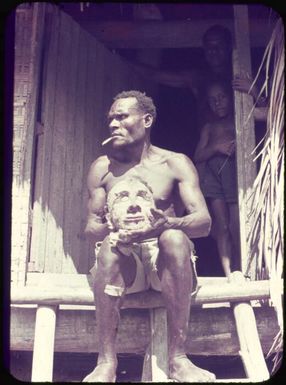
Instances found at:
x=158 y=220
x=226 y=148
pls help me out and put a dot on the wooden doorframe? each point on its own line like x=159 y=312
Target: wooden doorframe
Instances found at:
x=245 y=134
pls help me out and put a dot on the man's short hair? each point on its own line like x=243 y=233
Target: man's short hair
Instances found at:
x=223 y=83
x=219 y=31
x=145 y=103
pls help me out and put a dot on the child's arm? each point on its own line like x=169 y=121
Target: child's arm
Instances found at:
x=206 y=148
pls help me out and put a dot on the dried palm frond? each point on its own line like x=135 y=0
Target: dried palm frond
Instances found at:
x=266 y=241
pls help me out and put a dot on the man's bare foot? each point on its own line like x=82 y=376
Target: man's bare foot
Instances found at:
x=104 y=372
x=236 y=277
x=183 y=370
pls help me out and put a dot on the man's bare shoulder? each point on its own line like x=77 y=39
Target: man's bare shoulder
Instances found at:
x=172 y=158
x=98 y=169
x=100 y=163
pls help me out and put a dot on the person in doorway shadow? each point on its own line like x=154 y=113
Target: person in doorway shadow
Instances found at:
x=216 y=150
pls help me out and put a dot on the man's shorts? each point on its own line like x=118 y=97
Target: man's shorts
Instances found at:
x=219 y=179
x=145 y=254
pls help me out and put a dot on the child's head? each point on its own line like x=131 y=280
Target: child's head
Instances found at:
x=219 y=96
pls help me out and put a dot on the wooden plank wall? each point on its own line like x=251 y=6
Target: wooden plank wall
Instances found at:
x=28 y=44
x=80 y=79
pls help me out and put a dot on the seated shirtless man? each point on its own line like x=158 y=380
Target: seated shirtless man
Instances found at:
x=218 y=176
x=175 y=189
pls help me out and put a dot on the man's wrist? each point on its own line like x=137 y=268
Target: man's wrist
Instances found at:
x=173 y=223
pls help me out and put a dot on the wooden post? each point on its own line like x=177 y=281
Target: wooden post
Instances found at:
x=250 y=347
x=43 y=352
x=156 y=366
x=245 y=136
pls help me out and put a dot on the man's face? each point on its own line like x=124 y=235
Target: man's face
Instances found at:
x=129 y=203
x=216 y=51
x=219 y=101
x=127 y=124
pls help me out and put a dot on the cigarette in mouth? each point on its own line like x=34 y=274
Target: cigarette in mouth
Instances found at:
x=107 y=140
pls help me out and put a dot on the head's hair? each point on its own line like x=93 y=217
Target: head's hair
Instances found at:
x=220 y=32
x=145 y=103
x=224 y=84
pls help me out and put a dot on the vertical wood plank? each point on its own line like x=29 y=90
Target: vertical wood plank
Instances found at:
x=54 y=243
x=73 y=151
x=43 y=181
x=156 y=365
x=22 y=194
x=91 y=144
x=43 y=352
x=245 y=135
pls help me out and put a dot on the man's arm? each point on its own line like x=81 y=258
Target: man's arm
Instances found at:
x=197 y=222
x=96 y=227
x=180 y=79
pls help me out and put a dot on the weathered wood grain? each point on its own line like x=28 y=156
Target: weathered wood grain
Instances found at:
x=245 y=135
x=211 y=331
x=166 y=34
x=72 y=147
x=43 y=350
x=43 y=181
x=48 y=292
x=250 y=347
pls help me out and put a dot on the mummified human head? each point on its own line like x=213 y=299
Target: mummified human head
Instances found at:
x=128 y=205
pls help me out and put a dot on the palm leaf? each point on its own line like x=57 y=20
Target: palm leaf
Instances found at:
x=266 y=241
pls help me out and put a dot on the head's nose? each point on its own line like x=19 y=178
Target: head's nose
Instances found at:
x=114 y=123
x=133 y=209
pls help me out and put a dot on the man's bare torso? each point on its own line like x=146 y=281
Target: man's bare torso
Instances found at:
x=221 y=131
x=155 y=169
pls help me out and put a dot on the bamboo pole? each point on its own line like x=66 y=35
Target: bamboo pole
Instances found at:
x=43 y=352
x=227 y=292
x=250 y=347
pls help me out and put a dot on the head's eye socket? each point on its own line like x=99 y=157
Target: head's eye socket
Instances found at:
x=122 y=196
x=118 y=117
x=142 y=194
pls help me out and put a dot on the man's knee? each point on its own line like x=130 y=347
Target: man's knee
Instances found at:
x=174 y=242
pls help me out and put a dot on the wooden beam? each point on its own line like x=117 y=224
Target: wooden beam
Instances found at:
x=230 y=292
x=167 y=34
x=211 y=331
x=250 y=347
x=245 y=135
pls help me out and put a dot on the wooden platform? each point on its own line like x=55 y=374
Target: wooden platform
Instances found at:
x=55 y=313
x=211 y=331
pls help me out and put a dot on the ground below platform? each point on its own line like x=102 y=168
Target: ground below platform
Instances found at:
x=73 y=367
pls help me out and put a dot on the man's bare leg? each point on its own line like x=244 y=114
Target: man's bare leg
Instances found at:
x=235 y=234
x=108 y=310
x=220 y=212
x=176 y=274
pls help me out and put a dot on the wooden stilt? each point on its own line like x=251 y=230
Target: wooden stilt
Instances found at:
x=250 y=347
x=156 y=367
x=43 y=352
